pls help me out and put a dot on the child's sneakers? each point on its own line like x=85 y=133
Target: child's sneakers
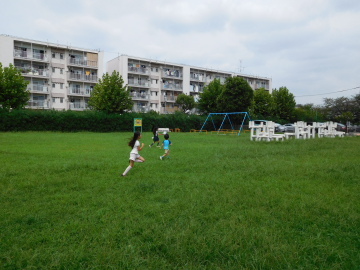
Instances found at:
x=161 y=157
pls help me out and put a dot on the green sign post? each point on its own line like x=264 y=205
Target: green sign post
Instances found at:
x=137 y=124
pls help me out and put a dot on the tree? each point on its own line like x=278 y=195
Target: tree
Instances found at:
x=309 y=113
x=109 y=94
x=340 y=109
x=263 y=104
x=237 y=96
x=356 y=106
x=185 y=102
x=208 y=99
x=284 y=103
x=13 y=92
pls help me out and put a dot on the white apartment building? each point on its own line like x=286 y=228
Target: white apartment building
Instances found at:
x=155 y=85
x=60 y=77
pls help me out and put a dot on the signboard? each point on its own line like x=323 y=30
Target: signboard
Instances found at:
x=137 y=123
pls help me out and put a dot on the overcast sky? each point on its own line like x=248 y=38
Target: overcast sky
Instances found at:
x=310 y=46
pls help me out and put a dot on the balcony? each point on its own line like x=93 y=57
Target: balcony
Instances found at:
x=39 y=88
x=197 y=78
x=171 y=86
x=168 y=110
x=79 y=92
x=82 y=77
x=33 y=72
x=138 y=83
x=78 y=106
x=196 y=88
x=168 y=98
x=139 y=96
x=31 y=56
x=82 y=62
x=38 y=104
x=138 y=70
x=142 y=109
x=171 y=73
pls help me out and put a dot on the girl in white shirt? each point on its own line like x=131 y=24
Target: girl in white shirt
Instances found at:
x=134 y=154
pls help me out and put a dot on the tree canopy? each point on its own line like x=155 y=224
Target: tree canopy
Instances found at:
x=185 y=102
x=13 y=92
x=236 y=96
x=110 y=95
x=263 y=106
x=208 y=98
x=284 y=103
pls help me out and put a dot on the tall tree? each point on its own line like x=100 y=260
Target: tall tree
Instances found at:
x=237 y=96
x=13 y=92
x=110 y=95
x=263 y=104
x=208 y=99
x=284 y=103
x=185 y=102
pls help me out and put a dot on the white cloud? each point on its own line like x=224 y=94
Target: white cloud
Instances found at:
x=309 y=46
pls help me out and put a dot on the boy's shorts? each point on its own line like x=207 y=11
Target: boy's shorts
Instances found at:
x=167 y=151
x=133 y=157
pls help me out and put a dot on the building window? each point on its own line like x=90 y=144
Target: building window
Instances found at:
x=61 y=86
x=61 y=100
x=53 y=70
x=53 y=100
x=61 y=56
x=61 y=71
x=53 y=55
x=53 y=85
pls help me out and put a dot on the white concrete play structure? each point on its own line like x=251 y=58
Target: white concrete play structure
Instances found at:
x=262 y=130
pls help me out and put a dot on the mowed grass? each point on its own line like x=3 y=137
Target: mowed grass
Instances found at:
x=220 y=202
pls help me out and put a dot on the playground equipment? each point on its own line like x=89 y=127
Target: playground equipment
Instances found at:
x=227 y=116
x=265 y=130
x=332 y=132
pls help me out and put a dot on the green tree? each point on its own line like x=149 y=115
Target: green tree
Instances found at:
x=309 y=113
x=13 y=92
x=340 y=109
x=110 y=95
x=356 y=108
x=185 y=102
x=208 y=99
x=284 y=104
x=263 y=104
x=237 y=96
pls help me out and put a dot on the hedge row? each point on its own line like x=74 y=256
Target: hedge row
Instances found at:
x=73 y=121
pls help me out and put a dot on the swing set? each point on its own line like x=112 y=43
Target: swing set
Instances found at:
x=220 y=130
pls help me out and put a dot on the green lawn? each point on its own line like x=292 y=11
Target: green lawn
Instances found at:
x=220 y=202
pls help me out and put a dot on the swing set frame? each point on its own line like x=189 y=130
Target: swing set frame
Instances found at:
x=226 y=116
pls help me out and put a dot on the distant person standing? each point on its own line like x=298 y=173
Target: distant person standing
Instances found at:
x=134 y=154
x=166 y=145
x=156 y=137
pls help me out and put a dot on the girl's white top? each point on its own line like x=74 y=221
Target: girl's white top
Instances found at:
x=135 y=148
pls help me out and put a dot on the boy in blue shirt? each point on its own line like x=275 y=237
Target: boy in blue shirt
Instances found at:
x=166 y=144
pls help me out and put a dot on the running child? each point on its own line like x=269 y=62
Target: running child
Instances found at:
x=134 y=154
x=166 y=144
x=156 y=137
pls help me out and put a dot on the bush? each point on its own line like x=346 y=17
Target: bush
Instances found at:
x=73 y=121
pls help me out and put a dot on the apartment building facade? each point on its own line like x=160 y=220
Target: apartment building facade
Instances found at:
x=155 y=85
x=60 y=77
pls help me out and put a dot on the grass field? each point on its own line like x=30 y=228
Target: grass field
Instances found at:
x=220 y=202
